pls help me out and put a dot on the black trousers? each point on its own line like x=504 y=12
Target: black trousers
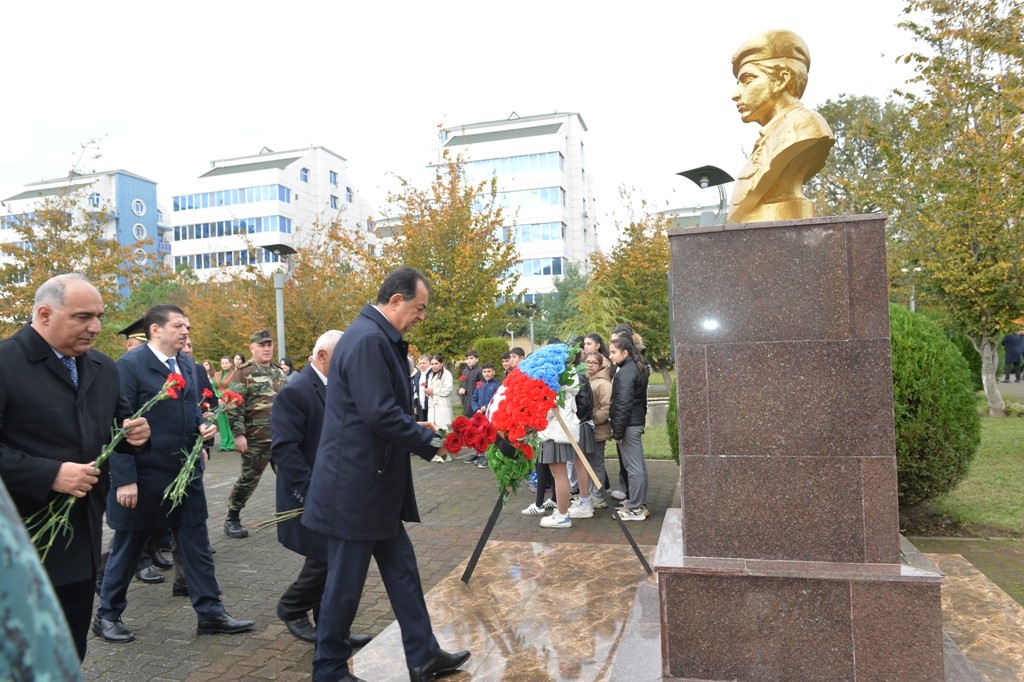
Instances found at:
x=304 y=595
x=348 y=562
x=76 y=600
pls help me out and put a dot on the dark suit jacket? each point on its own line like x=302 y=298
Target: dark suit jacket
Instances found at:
x=172 y=424
x=295 y=425
x=362 y=480
x=45 y=422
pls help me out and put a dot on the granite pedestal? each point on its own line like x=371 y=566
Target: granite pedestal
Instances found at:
x=783 y=561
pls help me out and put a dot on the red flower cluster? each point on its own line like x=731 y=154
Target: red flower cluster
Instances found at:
x=173 y=384
x=477 y=433
x=231 y=399
x=524 y=407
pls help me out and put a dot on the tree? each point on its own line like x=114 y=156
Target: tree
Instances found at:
x=636 y=272
x=452 y=232
x=957 y=191
x=856 y=175
x=62 y=236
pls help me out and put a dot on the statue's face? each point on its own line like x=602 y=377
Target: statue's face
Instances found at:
x=755 y=95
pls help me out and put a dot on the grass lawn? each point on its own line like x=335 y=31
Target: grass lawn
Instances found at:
x=655 y=443
x=990 y=501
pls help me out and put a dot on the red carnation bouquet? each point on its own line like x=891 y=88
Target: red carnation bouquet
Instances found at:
x=175 y=492
x=53 y=520
x=476 y=433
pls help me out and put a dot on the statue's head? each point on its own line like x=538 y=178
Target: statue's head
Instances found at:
x=780 y=55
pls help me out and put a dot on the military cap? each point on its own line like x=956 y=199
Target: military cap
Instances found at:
x=262 y=336
x=136 y=330
x=775 y=44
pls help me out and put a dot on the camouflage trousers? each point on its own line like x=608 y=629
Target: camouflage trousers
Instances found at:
x=254 y=461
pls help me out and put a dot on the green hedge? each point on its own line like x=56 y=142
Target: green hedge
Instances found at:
x=490 y=350
x=937 y=425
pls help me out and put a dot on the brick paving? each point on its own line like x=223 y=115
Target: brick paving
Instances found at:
x=454 y=501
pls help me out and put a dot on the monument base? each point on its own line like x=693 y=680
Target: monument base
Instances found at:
x=760 y=619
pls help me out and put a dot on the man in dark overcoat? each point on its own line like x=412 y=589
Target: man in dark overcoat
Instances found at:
x=295 y=426
x=59 y=399
x=361 y=491
x=136 y=503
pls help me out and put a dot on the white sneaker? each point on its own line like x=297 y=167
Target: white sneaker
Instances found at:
x=581 y=511
x=550 y=504
x=534 y=510
x=556 y=520
x=437 y=458
x=639 y=514
x=598 y=502
x=618 y=494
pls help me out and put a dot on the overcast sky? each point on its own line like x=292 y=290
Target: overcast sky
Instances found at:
x=168 y=87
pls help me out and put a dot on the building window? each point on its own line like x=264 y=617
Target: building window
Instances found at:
x=349 y=194
x=333 y=177
x=334 y=201
x=139 y=231
x=304 y=174
x=94 y=200
x=140 y=256
x=139 y=207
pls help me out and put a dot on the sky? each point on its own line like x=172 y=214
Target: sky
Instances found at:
x=164 y=88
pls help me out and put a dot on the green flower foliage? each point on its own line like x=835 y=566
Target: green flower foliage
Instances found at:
x=937 y=425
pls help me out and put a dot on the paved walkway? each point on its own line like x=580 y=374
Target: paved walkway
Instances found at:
x=455 y=500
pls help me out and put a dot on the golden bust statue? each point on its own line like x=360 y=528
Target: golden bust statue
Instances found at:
x=771 y=75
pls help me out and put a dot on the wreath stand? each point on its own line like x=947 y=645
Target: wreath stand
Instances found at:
x=505 y=494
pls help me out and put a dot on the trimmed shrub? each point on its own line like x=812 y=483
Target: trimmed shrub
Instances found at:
x=672 y=421
x=937 y=425
x=971 y=356
x=490 y=350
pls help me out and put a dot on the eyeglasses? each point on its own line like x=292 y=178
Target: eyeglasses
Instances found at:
x=593 y=362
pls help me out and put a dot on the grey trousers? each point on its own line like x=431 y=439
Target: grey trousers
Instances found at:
x=631 y=451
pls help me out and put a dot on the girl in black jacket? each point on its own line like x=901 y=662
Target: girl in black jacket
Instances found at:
x=628 y=414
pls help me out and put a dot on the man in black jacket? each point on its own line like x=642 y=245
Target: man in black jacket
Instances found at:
x=295 y=426
x=58 y=401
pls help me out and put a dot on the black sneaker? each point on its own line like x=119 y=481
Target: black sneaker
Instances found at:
x=233 y=529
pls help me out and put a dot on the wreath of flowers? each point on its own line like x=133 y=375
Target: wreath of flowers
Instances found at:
x=521 y=410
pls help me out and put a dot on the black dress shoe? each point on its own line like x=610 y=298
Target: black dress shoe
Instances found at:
x=441 y=664
x=159 y=560
x=356 y=641
x=112 y=630
x=149 y=574
x=224 y=624
x=301 y=628
x=179 y=589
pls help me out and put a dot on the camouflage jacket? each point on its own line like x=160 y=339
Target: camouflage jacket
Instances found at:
x=258 y=386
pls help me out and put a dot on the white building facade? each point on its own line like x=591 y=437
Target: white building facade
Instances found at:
x=124 y=204
x=544 y=188
x=221 y=220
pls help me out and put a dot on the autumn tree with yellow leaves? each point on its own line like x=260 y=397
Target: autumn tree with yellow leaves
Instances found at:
x=957 y=175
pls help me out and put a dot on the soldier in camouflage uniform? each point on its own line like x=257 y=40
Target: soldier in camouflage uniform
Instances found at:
x=258 y=382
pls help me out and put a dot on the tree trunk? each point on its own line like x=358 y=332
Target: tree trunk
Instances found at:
x=989 y=377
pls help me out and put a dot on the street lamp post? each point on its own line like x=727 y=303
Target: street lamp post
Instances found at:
x=284 y=253
x=710 y=176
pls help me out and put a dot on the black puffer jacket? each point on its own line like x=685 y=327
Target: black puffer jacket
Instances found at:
x=629 y=398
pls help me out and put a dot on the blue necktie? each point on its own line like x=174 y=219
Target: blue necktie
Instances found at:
x=72 y=368
x=170 y=365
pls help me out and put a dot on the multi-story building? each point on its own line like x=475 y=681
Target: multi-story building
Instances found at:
x=222 y=220
x=124 y=204
x=544 y=188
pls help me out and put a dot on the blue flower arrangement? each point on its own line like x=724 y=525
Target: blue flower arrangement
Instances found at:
x=546 y=364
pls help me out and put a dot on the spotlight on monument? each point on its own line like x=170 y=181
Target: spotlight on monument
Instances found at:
x=710 y=176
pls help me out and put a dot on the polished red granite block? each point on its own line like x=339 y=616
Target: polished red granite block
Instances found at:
x=809 y=279
x=734 y=628
x=827 y=398
x=889 y=642
x=794 y=508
